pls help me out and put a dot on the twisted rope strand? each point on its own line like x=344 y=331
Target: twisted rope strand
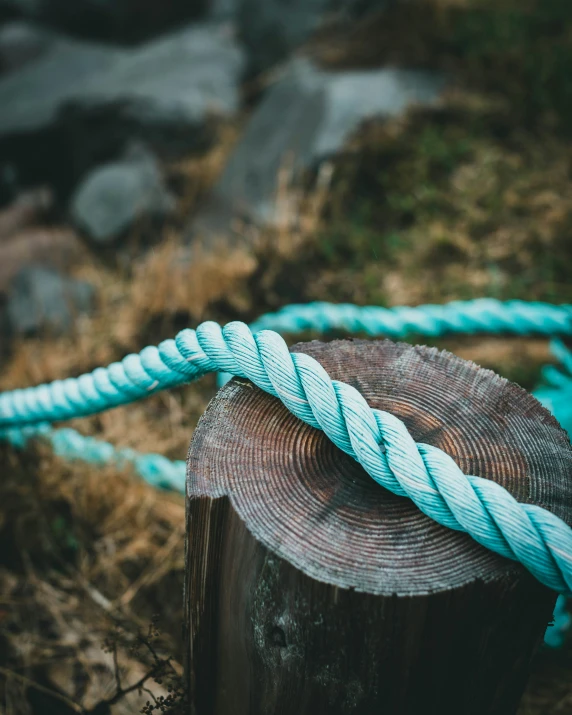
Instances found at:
x=379 y=441
x=483 y=315
x=155 y=469
x=154 y=369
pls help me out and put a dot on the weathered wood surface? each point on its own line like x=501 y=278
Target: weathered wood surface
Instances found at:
x=311 y=590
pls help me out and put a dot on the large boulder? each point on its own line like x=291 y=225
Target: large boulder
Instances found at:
x=116 y=196
x=41 y=299
x=305 y=118
x=110 y=20
x=32 y=98
x=80 y=103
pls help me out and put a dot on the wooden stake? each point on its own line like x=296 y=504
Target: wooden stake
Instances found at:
x=311 y=590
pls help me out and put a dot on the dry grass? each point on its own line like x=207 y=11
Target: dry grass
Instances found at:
x=193 y=176
x=435 y=207
x=89 y=550
x=189 y=280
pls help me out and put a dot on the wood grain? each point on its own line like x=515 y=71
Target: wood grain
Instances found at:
x=311 y=589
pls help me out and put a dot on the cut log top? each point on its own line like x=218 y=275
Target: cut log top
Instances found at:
x=315 y=507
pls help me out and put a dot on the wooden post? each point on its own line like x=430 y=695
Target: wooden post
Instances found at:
x=311 y=590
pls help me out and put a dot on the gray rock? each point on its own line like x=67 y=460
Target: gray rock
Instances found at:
x=98 y=97
x=178 y=82
x=306 y=117
x=113 y=197
x=43 y=300
x=21 y=43
x=33 y=97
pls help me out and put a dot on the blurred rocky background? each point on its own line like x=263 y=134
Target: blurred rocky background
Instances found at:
x=166 y=162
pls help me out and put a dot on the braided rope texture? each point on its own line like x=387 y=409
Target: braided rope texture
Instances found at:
x=377 y=440
x=155 y=369
x=483 y=315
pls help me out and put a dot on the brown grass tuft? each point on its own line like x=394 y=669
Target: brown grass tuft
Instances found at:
x=91 y=550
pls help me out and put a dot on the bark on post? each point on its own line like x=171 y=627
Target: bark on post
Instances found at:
x=311 y=590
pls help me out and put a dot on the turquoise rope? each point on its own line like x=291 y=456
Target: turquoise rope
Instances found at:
x=556 y=633
x=163 y=473
x=160 y=368
x=378 y=440
x=483 y=315
x=155 y=469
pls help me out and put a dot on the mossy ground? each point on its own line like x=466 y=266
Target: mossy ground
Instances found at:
x=472 y=198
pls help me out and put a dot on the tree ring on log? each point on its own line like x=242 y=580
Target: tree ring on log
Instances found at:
x=315 y=507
